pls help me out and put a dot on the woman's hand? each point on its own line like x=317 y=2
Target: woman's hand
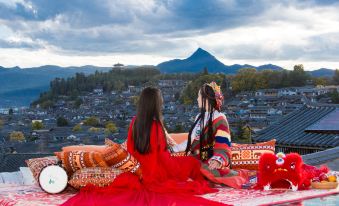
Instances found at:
x=170 y=141
x=213 y=164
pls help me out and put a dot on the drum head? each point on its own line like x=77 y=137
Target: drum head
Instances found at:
x=53 y=179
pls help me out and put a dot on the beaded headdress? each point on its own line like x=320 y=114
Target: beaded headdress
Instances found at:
x=218 y=95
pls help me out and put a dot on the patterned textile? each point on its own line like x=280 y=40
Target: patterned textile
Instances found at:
x=86 y=148
x=76 y=160
x=178 y=154
x=11 y=195
x=98 y=176
x=221 y=153
x=32 y=195
x=118 y=157
x=258 y=197
x=37 y=164
x=246 y=156
x=222 y=140
x=124 y=145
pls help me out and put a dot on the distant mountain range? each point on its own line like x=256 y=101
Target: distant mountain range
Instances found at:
x=21 y=86
x=201 y=59
x=323 y=72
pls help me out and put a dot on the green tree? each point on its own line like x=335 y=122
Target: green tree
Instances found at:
x=335 y=97
x=245 y=80
x=110 y=128
x=47 y=104
x=320 y=81
x=246 y=134
x=74 y=94
x=116 y=79
x=36 y=125
x=118 y=85
x=10 y=111
x=1 y=123
x=298 y=77
x=261 y=81
x=94 y=129
x=135 y=100
x=17 y=136
x=31 y=138
x=233 y=135
x=205 y=71
x=243 y=134
x=336 y=77
x=187 y=100
x=178 y=129
x=190 y=93
x=62 y=122
x=78 y=102
x=274 y=78
x=237 y=136
x=77 y=128
x=285 y=80
x=92 y=121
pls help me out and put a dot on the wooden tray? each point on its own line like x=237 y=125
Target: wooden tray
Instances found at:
x=324 y=185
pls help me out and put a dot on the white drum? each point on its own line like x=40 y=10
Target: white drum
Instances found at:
x=53 y=179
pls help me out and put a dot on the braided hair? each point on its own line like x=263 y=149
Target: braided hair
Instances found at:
x=207 y=96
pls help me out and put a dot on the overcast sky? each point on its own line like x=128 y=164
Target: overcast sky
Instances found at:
x=135 y=32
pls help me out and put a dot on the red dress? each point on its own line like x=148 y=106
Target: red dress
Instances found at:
x=166 y=180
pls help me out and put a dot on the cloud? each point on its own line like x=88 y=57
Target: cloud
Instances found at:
x=250 y=30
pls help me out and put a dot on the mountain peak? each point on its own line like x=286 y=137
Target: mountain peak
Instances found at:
x=200 y=50
x=201 y=53
x=201 y=59
x=195 y=63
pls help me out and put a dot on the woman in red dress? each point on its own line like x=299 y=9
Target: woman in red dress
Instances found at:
x=166 y=180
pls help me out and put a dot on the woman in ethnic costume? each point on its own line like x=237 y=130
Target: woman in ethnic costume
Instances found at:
x=166 y=180
x=209 y=139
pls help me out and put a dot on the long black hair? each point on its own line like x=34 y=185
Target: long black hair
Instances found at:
x=148 y=109
x=207 y=96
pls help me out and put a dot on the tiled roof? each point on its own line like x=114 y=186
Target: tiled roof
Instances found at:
x=290 y=130
x=329 y=123
x=12 y=162
x=328 y=157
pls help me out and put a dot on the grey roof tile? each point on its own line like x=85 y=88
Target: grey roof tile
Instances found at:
x=290 y=130
x=329 y=157
x=329 y=122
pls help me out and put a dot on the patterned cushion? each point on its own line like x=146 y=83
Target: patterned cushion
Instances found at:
x=87 y=148
x=118 y=157
x=246 y=156
x=75 y=160
x=98 y=176
x=37 y=164
x=124 y=145
x=178 y=154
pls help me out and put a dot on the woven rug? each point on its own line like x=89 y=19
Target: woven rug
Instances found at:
x=258 y=197
x=11 y=195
